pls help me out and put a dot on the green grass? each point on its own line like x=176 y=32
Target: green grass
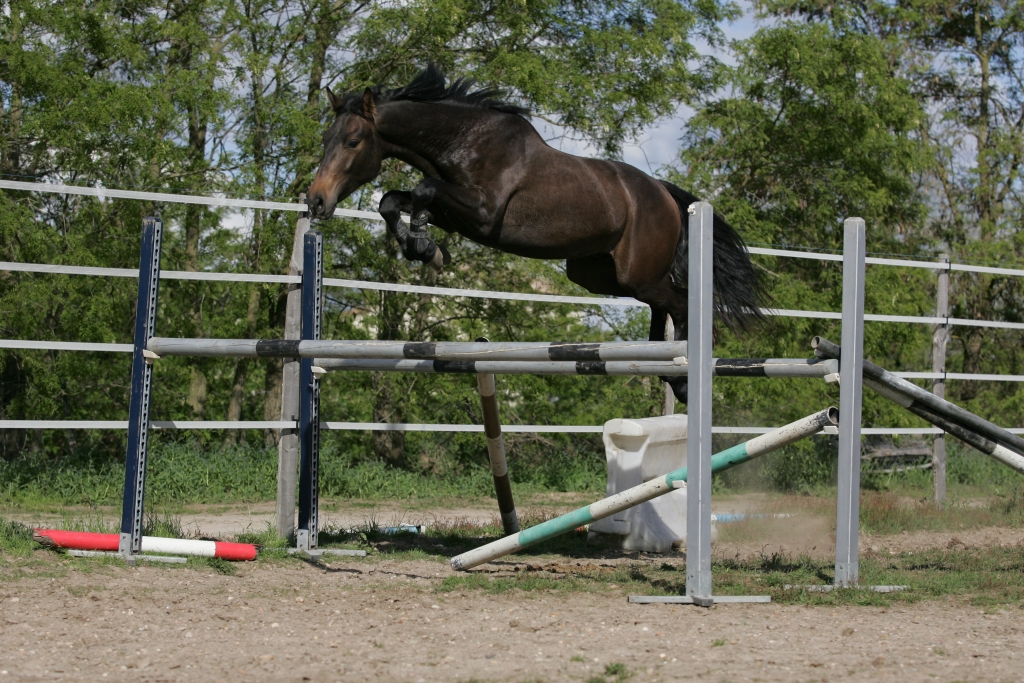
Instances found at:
x=988 y=577
x=190 y=473
x=15 y=539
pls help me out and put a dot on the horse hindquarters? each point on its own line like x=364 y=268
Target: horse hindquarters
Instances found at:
x=738 y=291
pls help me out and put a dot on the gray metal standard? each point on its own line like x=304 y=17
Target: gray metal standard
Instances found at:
x=698 y=456
x=496 y=454
x=288 y=445
x=720 y=367
x=927 y=400
x=397 y=350
x=851 y=391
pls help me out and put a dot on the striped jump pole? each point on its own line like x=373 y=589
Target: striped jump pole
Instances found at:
x=96 y=542
x=496 y=453
x=720 y=367
x=766 y=443
x=922 y=402
x=397 y=350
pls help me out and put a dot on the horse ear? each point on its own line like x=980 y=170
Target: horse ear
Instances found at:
x=334 y=99
x=369 y=104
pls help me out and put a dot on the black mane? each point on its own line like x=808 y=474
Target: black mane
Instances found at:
x=429 y=86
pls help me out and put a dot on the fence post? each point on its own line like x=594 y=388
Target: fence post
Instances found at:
x=288 y=444
x=698 y=456
x=309 y=394
x=130 y=542
x=940 y=337
x=851 y=387
x=669 y=407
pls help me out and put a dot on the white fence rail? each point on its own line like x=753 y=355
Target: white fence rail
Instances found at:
x=225 y=202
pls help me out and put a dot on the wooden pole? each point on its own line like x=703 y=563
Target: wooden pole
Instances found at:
x=288 y=446
x=496 y=453
x=940 y=337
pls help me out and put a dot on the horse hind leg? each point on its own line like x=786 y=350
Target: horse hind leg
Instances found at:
x=659 y=320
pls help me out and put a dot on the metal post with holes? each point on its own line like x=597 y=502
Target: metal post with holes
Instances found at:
x=130 y=542
x=288 y=444
x=309 y=394
x=851 y=388
x=940 y=337
x=699 y=352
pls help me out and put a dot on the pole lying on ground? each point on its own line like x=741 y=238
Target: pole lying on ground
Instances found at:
x=496 y=453
x=397 y=350
x=926 y=400
x=720 y=367
x=812 y=424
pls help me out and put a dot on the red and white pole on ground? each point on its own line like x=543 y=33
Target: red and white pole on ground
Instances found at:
x=84 y=540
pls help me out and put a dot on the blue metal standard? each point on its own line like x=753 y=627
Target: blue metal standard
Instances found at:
x=309 y=394
x=130 y=542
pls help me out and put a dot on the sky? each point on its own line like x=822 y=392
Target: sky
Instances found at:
x=658 y=146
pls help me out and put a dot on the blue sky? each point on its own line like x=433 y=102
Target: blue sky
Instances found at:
x=659 y=144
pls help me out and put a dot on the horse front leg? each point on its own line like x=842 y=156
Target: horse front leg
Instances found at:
x=454 y=208
x=415 y=243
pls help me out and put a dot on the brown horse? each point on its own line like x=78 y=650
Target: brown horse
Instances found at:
x=492 y=178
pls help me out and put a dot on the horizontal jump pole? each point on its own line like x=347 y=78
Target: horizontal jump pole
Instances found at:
x=986 y=446
x=926 y=401
x=766 y=443
x=397 y=350
x=721 y=367
x=91 y=541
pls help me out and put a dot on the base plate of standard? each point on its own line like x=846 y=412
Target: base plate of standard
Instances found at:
x=317 y=552
x=828 y=588
x=706 y=601
x=129 y=559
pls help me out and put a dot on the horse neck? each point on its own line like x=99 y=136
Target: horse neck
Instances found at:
x=427 y=136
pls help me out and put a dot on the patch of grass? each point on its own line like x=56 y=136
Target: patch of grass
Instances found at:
x=718 y=642
x=987 y=577
x=215 y=563
x=15 y=539
x=267 y=538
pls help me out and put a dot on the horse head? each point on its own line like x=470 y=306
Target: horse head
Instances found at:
x=352 y=153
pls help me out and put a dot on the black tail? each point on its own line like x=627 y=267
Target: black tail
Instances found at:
x=739 y=290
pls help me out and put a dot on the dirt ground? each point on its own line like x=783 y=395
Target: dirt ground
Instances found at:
x=361 y=620
x=380 y=619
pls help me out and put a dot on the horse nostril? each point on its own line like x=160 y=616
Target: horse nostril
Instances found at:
x=316 y=205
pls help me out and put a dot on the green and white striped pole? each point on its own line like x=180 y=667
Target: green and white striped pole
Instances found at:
x=766 y=443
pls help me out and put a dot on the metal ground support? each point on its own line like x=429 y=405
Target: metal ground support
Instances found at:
x=496 y=453
x=692 y=600
x=130 y=559
x=851 y=389
x=309 y=395
x=317 y=552
x=826 y=588
x=698 y=457
x=130 y=542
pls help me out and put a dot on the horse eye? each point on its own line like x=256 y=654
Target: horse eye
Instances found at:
x=352 y=144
